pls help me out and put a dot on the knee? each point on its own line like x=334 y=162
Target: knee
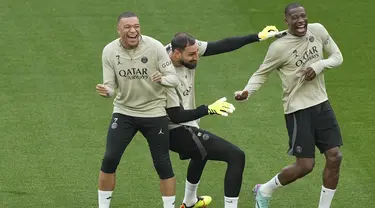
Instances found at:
x=305 y=166
x=334 y=157
x=163 y=167
x=109 y=164
x=240 y=155
x=237 y=156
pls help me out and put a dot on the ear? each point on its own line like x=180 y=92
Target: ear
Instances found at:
x=286 y=20
x=178 y=53
x=118 y=29
x=175 y=53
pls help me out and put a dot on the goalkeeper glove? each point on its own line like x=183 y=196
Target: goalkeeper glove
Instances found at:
x=268 y=32
x=221 y=107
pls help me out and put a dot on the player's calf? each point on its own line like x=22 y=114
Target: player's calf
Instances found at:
x=235 y=158
x=107 y=180
x=107 y=173
x=289 y=174
x=163 y=166
x=330 y=176
x=305 y=166
x=299 y=169
x=233 y=177
x=332 y=168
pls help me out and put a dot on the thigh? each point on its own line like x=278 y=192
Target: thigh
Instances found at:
x=217 y=148
x=121 y=131
x=327 y=130
x=198 y=144
x=181 y=141
x=301 y=134
x=155 y=130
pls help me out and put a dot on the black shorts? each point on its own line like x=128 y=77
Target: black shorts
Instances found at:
x=193 y=143
x=314 y=126
x=122 y=129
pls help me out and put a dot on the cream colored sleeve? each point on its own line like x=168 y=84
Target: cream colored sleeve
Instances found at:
x=330 y=47
x=271 y=62
x=202 y=47
x=166 y=67
x=109 y=74
x=173 y=100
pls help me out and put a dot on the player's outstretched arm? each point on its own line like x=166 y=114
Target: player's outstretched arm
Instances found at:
x=219 y=107
x=180 y=115
x=234 y=43
x=271 y=62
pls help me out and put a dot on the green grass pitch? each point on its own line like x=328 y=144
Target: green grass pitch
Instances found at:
x=53 y=125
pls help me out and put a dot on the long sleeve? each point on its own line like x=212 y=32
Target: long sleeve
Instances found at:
x=109 y=75
x=271 y=62
x=166 y=67
x=176 y=112
x=180 y=115
x=229 y=44
x=330 y=47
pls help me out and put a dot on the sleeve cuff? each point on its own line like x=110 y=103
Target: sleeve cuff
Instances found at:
x=317 y=68
x=202 y=110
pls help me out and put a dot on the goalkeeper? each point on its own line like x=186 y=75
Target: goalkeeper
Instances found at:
x=186 y=138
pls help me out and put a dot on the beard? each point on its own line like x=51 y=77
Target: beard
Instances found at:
x=189 y=65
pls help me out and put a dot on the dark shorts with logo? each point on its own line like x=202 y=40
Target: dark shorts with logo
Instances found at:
x=314 y=126
x=198 y=144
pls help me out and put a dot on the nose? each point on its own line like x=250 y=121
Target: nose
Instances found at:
x=132 y=29
x=195 y=57
x=301 y=20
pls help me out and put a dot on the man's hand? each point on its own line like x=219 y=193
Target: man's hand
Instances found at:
x=268 y=32
x=103 y=90
x=221 y=107
x=156 y=77
x=309 y=74
x=241 y=96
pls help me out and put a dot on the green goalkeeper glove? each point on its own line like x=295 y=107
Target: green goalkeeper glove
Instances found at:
x=220 y=107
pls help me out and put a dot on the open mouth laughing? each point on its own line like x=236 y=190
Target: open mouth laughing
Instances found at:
x=301 y=28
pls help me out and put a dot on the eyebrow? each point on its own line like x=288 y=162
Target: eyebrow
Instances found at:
x=131 y=24
x=301 y=13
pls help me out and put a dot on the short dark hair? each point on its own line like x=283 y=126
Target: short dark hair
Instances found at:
x=181 y=40
x=291 y=6
x=125 y=15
